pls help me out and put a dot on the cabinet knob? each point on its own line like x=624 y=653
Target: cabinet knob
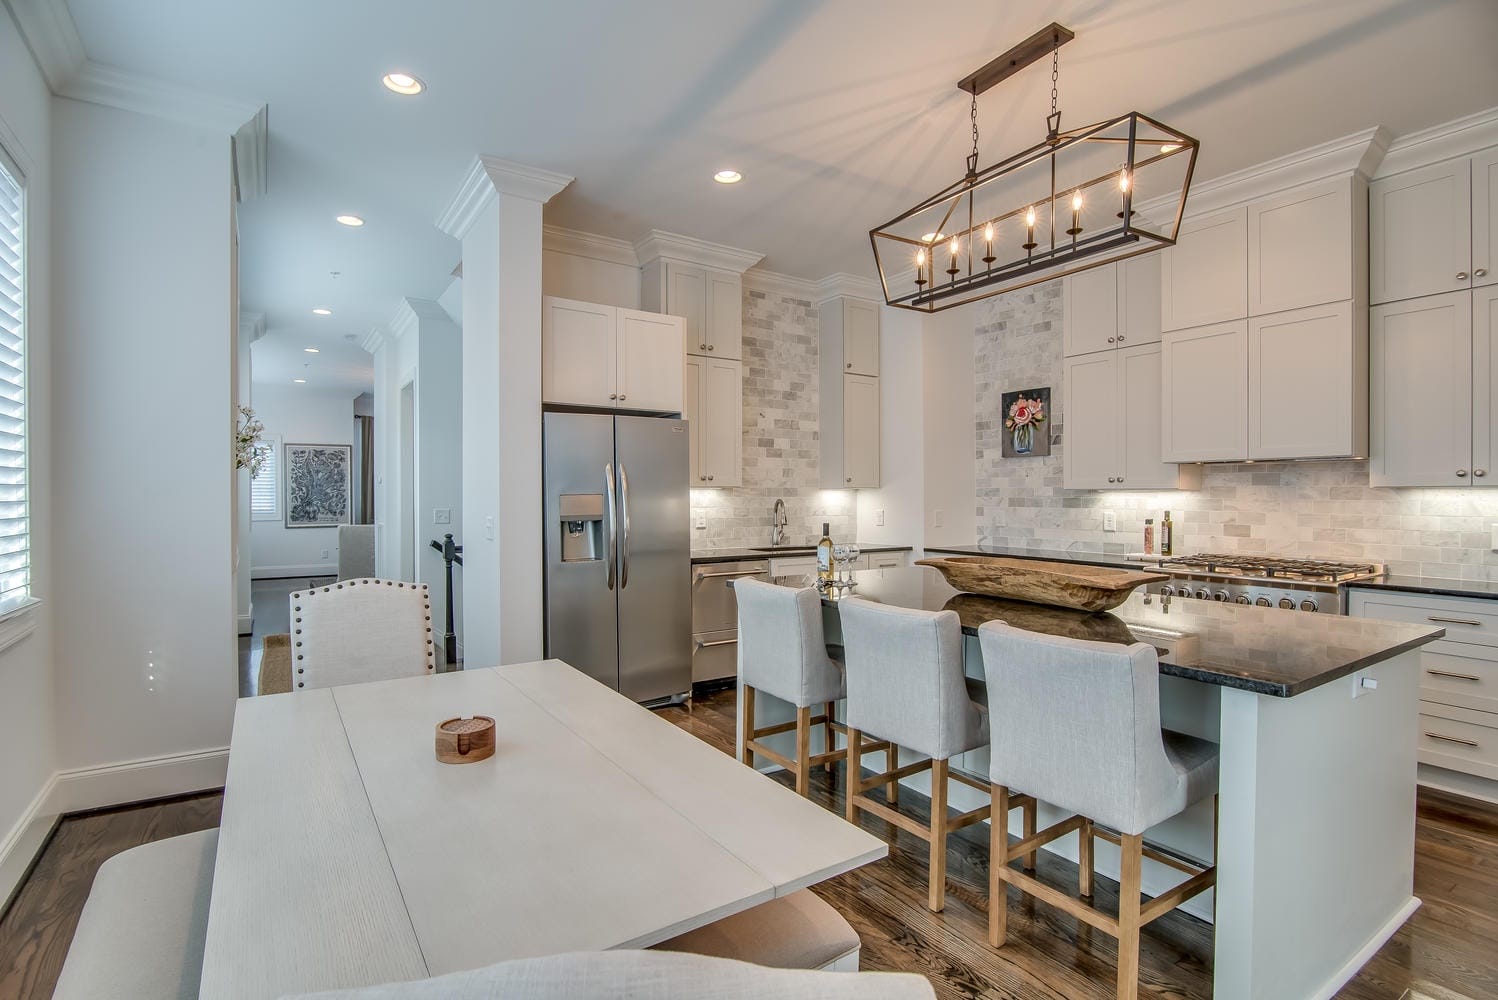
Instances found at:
x=1461 y=473
x=849 y=479
x=1481 y=272
x=613 y=395
x=1461 y=276
x=1120 y=478
x=622 y=397
x=710 y=347
x=1479 y=473
x=848 y=365
x=1111 y=339
x=701 y=347
x=1120 y=340
x=1112 y=480
x=709 y=478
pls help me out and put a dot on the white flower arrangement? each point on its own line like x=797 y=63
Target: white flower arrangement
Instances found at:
x=249 y=449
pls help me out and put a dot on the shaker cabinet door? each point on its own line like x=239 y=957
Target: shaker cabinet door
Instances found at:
x=1140 y=381
x=648 y=361
x=1300 y=248
x=686 y=296
x=691 y=411
x=860 y=431
x=860 y=337
x=1485 y=386
x=1091 y=457
x=1090 y=310
x=724 y=332
x=1205 y=394
x=1139 y=300
x=577 y=353
x=1485 y=219
x=722 y=410
x=1301 y=374
x=1419 y=232
x=1202 y=277
x=1421 y=389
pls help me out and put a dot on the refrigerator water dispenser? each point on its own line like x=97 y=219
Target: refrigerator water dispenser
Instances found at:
x=581 y=526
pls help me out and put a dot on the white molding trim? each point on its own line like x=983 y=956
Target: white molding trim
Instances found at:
x=246 y=624
x=18 y=623
x=137 y=780
x=490 y=175
x=251 y=326
x=410 y=314
x=1441 y=142
x=688 y=249
x=774 y=283
x=251 y=144
x=24 y=841
x=852 y=286
x=1344 y=975
x=52 y=36
x=590 y=245
x=329 y=568
x=373 y=340
x=117 y=88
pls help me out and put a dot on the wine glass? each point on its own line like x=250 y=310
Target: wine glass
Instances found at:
x=851 y=552
x=839 y=561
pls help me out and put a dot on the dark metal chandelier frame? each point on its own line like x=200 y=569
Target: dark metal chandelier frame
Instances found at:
x=969 y=278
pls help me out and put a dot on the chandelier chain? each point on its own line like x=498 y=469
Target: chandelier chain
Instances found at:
x=975 y=125
x=1055 y=72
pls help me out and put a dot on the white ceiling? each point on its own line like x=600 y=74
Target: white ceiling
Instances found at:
x=839 y=113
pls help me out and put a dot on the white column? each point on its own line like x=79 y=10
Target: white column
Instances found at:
x=497 y=215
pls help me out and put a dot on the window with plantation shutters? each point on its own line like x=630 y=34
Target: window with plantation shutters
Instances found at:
x=265 y=489
x=15 y=522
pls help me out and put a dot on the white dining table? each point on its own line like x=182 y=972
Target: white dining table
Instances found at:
x=348 y=855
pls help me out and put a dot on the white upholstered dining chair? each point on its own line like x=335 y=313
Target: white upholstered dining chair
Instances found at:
x=361 y=630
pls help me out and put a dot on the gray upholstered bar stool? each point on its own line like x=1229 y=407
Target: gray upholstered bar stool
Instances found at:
x=1077 y=724
x=783 y=652
x=906 y=685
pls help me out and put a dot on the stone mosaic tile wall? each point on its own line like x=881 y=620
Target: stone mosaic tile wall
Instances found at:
x=1314 y=509
x=781 y=442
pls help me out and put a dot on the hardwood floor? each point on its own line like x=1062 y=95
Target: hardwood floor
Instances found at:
x=272 y=615
x=1445 y=952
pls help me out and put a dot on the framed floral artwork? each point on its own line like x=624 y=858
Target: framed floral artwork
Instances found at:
x=1027 y=416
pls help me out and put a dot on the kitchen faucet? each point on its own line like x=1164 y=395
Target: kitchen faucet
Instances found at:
x=777 y=529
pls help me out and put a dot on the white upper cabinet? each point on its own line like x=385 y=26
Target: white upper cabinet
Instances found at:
x=577 y=353
x=597 y=355
x=1204 y=414
x=1301 y=247
x=1422 y=385
x=860 y=337
x=709 y=301
x=1091 y=454
x=1139 y=300
x=1421 y=232
x=1140 y=385
x=1202 y=277
x=1485 y=387
x=1485 y=218
x=715 y=419
x=648 y=361
x=725 y=313
x=1090 y=310
x=860 y=431
x=1307 y=384
x=686 y=296
x=691 y=412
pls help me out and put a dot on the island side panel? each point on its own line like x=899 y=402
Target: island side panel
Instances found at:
x=1317 y=836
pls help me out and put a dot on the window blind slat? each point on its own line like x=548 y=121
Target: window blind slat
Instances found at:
x=15 y=521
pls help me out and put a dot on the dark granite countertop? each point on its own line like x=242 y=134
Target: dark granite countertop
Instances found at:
x=742 y=554
x=1264 y=650
x=1107 y=559
x=1430 y=585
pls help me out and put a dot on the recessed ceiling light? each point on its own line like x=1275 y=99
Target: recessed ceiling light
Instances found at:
x=351 y=220
x=403 y=83
x=1170 y=147
x=933 y=237
x=310 y=350
x=299 y=380
x=728 y=177
x=322 y=312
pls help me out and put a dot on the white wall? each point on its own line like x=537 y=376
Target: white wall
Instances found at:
x=439 y=457
x=948 y=431
x=394 y=366
x=299 y=415
x=900 y=497
x=571 y=276
x=144 y=471
x=27 y=754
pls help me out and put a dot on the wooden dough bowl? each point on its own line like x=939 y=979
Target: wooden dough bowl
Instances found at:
x=1058 y=584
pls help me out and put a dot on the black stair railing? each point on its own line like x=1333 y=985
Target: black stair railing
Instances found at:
x=450 y=554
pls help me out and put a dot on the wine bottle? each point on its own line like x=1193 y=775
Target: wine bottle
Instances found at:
x=824 y=554
x=1167 y=536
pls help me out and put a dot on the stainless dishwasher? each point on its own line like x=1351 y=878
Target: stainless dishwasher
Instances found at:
x=715 y=617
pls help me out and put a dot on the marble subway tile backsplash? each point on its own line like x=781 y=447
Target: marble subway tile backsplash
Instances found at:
x=1313 y=509
x=781 y=458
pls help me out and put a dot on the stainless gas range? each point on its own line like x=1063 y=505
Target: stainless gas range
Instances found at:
x=1266 y=581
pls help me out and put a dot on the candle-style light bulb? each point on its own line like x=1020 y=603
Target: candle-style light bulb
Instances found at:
x=953 y=269
x=1076 y=212
x=920 y=267
x=1076 y=201
x=1123 y=180
x=988 y=257
x=1030 y=243
x=920 y=258
x=1030 y=217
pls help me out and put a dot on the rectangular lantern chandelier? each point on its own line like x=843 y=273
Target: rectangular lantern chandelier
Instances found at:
x=1076 y=200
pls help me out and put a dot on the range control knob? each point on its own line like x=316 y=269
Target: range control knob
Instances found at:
x=1241 y=599
x=1308 y=605
x=1167 y=591
x=1221 y=596
x=1287 y=604
x=1203 y=594
x=1262 y=602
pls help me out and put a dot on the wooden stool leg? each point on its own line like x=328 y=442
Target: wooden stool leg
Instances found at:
x=803 y=751
x=1084 y=859
x=855 y=773
x=938 y=897
x=998 y=850
x=1029 y=828
x=892 y=763
x=829 y=740
x=746 y=728
x=1130 y=862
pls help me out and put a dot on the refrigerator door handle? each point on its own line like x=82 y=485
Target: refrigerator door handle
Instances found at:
x=608 y=487
x=624 y=531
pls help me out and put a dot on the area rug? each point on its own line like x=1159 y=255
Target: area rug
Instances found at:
x=275 y=665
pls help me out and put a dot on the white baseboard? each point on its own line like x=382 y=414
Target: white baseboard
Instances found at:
x=1344 y=975
x=24 y=840
x=1468 y=785
x=247 y=624
x=137 y=780
x=328 y=568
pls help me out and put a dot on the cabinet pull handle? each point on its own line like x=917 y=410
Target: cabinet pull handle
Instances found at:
x=1461 y=276
x=1453 y=739
x=702 y=575
x=1453 y=674
x=1461 y=473
x=1452 y=621
x=716 y=642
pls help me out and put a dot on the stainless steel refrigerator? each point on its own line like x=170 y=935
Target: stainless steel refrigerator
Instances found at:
x=618 y=559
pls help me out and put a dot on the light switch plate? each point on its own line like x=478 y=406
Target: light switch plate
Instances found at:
x=489 y=527
x=1110 y=521
x=442 y=515
x=938 y=516
x=879 y=518
x=1494 y=541
x=700 y=522
x=325 y=553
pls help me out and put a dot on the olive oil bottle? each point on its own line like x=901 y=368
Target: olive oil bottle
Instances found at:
x=1167 y=536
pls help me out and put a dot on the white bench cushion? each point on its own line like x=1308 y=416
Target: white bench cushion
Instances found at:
x=141 y=933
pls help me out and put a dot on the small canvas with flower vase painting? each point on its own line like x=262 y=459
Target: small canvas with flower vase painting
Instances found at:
x=1027 y=416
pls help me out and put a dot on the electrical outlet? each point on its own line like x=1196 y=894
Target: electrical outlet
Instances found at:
x=442 y=515
x=489 y=526
x=879 y=517
x=700 y=522
x=1110 y=521
x=938 y=517
x=1494 y=542
x=1363 y=683
x=325 y=553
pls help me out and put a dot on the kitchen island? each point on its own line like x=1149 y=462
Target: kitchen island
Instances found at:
x=1313 y=714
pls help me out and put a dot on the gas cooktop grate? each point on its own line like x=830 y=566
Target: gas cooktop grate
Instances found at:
x=1272 y=567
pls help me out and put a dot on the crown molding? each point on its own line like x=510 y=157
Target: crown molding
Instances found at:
x=117 y=88
x=658 y=244
x=50 y=33
x=409 y=315
x=491 y=175
x=373 y=340
x=760 y=279
x=251 y=326
x=852 y=286
x=1358 y=154
x=251 y=146
x=590 y=245
x=1441 y=142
